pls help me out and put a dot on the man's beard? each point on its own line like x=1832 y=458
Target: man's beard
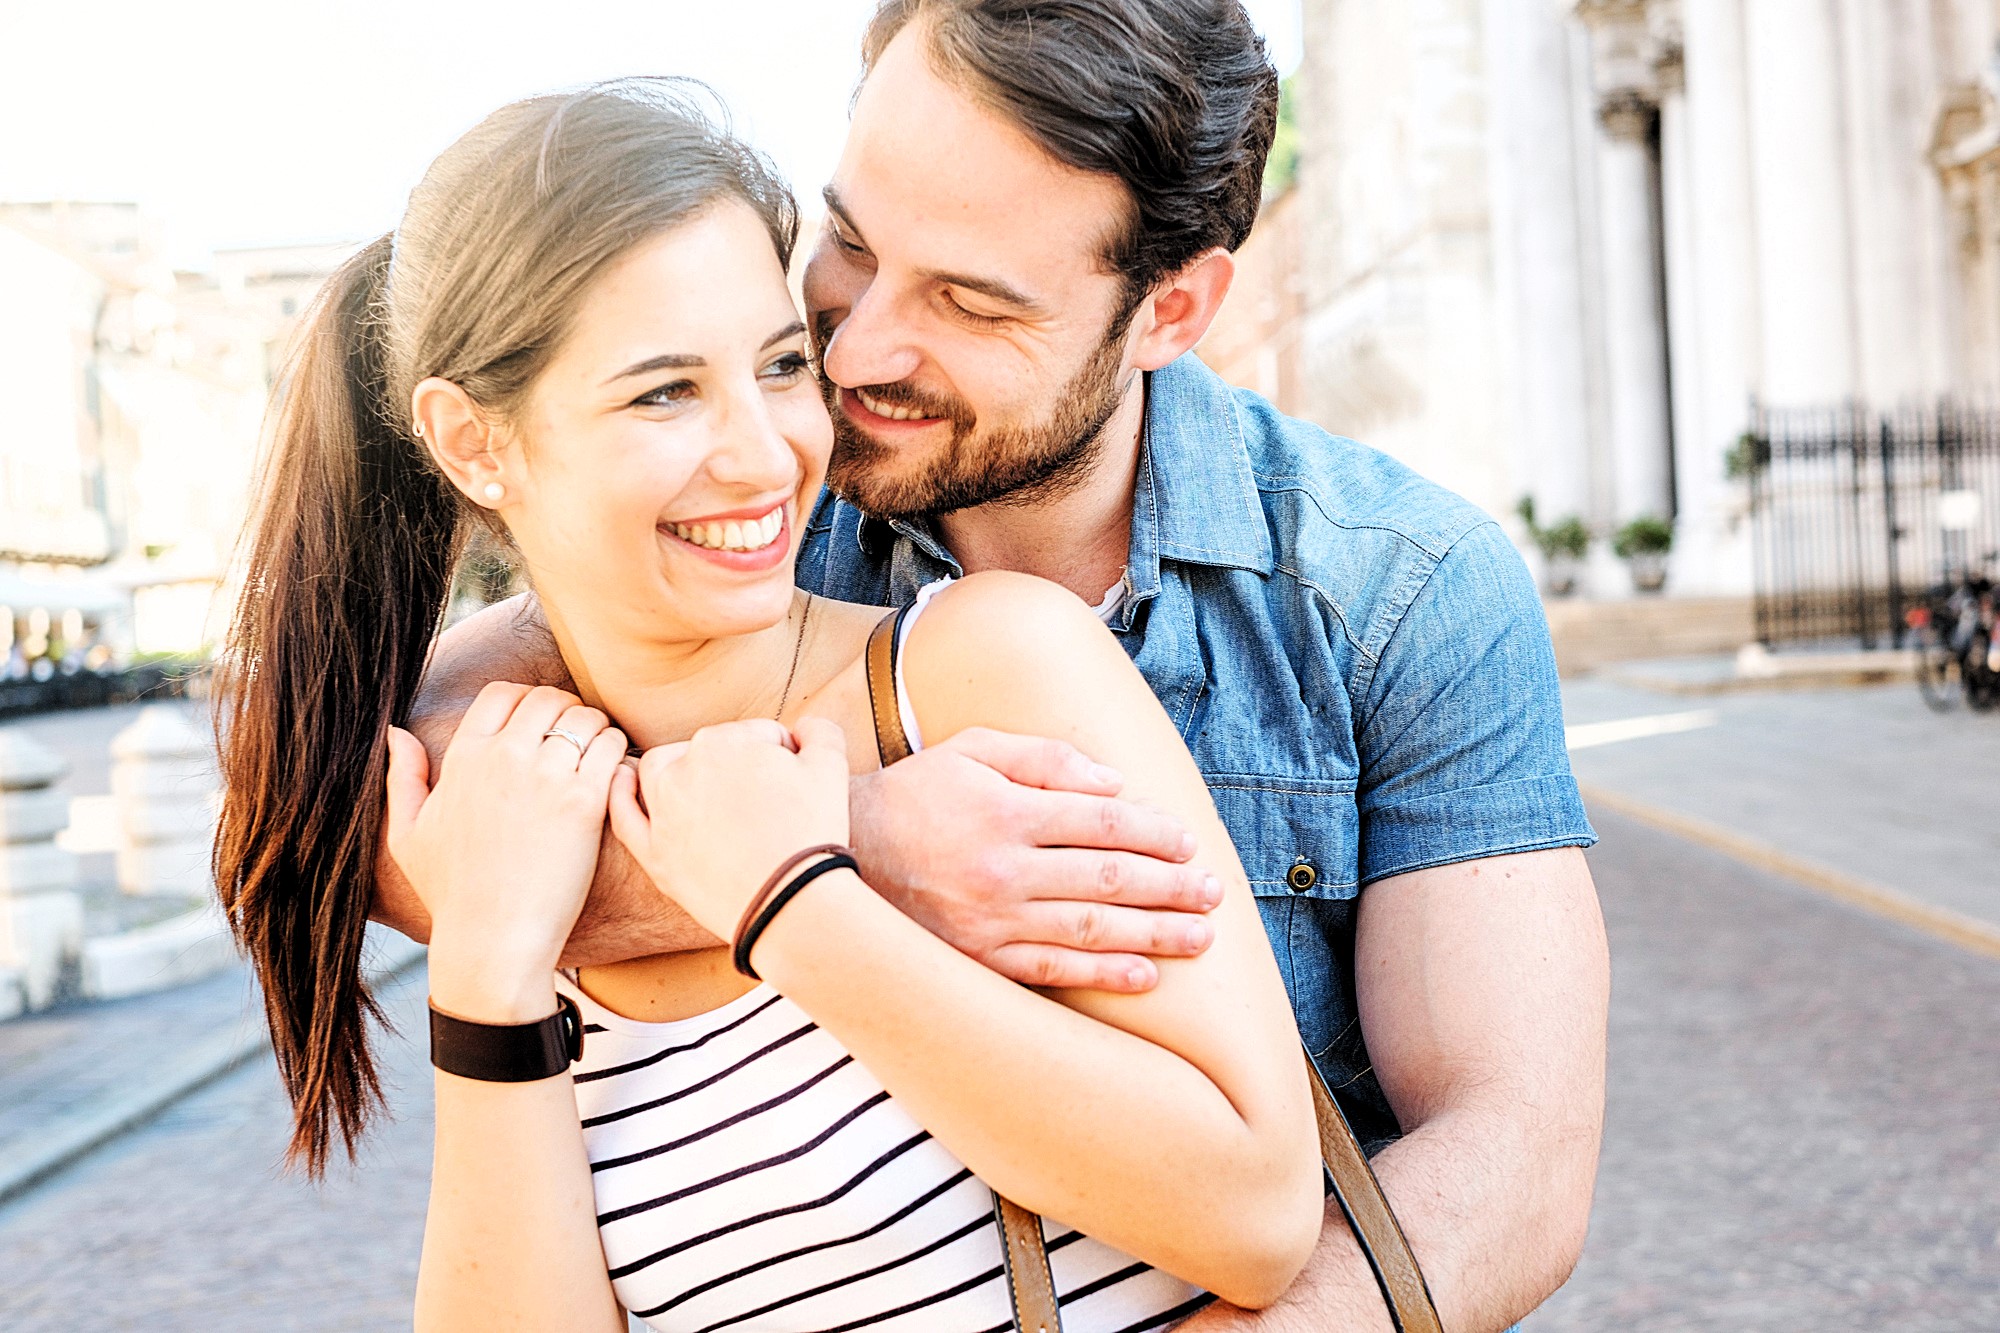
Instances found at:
x=1008 y=464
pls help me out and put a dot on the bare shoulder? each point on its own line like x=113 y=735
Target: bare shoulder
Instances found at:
x=1000 y=649
x=1014 y=617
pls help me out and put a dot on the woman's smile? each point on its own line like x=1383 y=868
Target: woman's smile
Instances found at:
x=749 y=541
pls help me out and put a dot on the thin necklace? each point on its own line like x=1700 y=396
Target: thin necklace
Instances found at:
x=797 y=650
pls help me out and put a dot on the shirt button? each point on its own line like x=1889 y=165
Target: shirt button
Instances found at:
x=1302 y=877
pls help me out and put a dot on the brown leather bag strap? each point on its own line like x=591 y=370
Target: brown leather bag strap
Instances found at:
x=1030 y=1287
x=1370 y=1217
x=1354 y=1185
x=890 y=742
x=1029 y=1284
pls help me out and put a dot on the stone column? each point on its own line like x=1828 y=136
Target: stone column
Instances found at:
x=1539 y=253
x=1805 y=254
x=41 y=915
x=1628 y=218
x=163 y=779
x=1712 y=553
x=1634 y=309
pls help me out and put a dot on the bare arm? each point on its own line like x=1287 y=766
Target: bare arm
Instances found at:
x=510 y=1239
x=1068 y=1104
x=1483 y=991
x=1009 y=847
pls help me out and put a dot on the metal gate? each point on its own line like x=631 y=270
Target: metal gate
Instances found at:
x=1856 y=513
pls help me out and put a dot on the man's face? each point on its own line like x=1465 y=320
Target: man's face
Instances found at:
x=959 y=303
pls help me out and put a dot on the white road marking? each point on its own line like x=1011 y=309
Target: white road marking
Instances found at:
x=1588 y=734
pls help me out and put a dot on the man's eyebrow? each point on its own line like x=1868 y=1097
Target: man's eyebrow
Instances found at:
x=1000 y=291
x=685 y=361
x=1003 y=292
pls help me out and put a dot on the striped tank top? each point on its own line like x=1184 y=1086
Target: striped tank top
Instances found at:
x=752 y=1176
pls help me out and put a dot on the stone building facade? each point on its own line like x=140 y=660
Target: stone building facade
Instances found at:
x=1556 y=248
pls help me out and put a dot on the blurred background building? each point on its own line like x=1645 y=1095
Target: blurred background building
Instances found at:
x=1567 y=251
x=134 y=395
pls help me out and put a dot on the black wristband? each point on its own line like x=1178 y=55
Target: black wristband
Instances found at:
x=508 y=1052
x=746 y=939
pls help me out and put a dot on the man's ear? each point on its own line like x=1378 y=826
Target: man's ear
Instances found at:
x=462 y=440
x=1177 y=314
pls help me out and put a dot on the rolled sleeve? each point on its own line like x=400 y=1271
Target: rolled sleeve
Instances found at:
x=1461 y=743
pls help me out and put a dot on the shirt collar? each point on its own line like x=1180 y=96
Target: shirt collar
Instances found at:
x=1197 y=499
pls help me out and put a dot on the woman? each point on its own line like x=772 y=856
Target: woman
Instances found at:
x=581 y=333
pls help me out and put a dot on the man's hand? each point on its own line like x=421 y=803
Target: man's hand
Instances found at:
x=1016 y=851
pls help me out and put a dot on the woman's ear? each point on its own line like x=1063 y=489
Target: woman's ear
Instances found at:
x=462 y=439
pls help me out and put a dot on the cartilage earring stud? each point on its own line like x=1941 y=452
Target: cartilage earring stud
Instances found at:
x=495 y=491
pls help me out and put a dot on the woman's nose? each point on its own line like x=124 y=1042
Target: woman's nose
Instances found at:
x=754 y=452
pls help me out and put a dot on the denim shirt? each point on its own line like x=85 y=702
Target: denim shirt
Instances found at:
x=1356 y=658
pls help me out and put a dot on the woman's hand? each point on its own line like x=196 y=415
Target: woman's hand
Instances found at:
x=723 y=810
x=502 y=849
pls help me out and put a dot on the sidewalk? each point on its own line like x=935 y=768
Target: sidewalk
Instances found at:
x=1864 y=784
x=74 y=1077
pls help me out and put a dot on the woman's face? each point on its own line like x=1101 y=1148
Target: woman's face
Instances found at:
x=671 y=450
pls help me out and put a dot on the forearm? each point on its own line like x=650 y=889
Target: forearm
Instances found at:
x=1495 y=1220
x=1064 y=1114
x=510 y=1241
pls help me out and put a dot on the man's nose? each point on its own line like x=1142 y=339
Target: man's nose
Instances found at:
x=873 y=344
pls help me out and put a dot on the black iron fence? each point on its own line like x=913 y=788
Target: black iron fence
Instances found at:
x=1855 y=513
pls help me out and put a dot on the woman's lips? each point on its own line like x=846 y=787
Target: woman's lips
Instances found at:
x=729 y=553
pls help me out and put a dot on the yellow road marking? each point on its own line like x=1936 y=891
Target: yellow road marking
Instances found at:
x=1952 y=927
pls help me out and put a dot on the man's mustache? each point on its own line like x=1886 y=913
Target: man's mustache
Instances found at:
x=899 y=394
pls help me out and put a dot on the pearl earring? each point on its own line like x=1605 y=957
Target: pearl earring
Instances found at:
x=420 y=430
x=494 y=492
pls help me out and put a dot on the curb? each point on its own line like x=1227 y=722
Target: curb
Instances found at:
x=1968 y=933
x=92 y=1126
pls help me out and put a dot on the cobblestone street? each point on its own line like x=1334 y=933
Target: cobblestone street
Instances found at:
x=1801 y=1131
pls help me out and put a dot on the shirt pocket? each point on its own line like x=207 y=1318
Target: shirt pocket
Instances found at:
x=1296 y=837
x=1299 y=841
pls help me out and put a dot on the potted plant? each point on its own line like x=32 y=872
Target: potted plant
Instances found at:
x=1643 y=545
x=1563 y=547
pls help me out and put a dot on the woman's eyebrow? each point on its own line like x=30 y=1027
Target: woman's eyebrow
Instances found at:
x=687 y=361
x=670 y=361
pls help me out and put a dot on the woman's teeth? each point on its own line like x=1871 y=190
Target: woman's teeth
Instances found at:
x=749 y=534
x=890 y=410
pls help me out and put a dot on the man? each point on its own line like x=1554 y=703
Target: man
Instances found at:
x=1029 y=231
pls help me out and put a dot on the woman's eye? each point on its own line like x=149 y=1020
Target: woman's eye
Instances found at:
x=789 y=367
x=666 y=395
x=844 y=243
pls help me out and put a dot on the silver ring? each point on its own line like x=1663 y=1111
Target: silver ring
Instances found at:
x=572 y=738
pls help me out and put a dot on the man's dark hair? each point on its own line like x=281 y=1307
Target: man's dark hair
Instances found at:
x=1175 y=98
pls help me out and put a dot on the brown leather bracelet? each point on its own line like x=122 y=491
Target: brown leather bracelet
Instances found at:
x=777 y=878
x=747 y=938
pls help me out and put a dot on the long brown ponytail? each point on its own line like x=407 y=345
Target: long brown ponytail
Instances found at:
x=350 y=555
x=350 y=562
